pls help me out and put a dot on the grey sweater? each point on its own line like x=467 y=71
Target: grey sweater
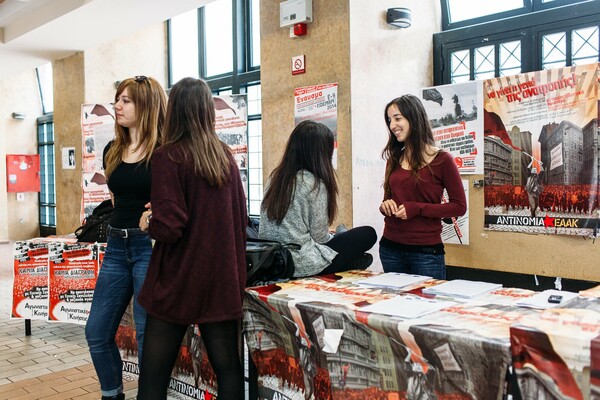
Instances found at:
x=305 y=223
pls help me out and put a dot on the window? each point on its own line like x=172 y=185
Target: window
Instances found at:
x=220 y=43
x=514 y=36
x=45 y=138
x=47 y=211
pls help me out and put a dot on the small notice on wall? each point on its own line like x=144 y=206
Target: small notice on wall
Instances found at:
x=68 y=157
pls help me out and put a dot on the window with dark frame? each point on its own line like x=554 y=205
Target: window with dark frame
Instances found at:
x=220 y=43
x=45 y=139
x=533 y=35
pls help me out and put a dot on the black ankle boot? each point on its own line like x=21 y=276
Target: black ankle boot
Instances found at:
x=363 y=262
x=120 y=396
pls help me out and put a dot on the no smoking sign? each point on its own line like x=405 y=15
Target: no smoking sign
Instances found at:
x=298 y=65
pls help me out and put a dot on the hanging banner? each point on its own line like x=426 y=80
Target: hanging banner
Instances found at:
x=318 y=103
x=541 y=152
x=30 y=280
x=98 y=128
x=457 y=124
x=231 y=125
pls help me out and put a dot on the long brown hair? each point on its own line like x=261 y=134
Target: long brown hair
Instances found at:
x=191 y=121
x=416 y=143
x=150 y=102
x=310 y=147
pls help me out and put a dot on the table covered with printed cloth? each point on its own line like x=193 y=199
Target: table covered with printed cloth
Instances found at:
x=309 y=339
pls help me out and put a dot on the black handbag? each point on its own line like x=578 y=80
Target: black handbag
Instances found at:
x=268 y=261
x=95 y=226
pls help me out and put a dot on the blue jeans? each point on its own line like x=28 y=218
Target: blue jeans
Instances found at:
x=121 y=275
x=410 y=262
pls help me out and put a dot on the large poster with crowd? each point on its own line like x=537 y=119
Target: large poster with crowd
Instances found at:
x=541 y=151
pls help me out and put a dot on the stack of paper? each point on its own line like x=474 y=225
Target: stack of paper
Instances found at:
x=540 y=300
x=407 y=306
x=393 y=280
x=462 y=288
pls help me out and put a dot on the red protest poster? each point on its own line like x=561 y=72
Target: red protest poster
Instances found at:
x=30 y=285
x=72 y=277
x=22 y=173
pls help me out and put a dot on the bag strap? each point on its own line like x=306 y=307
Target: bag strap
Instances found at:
x=287 y=245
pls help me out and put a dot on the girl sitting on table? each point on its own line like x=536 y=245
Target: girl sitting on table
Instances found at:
x=300 y=204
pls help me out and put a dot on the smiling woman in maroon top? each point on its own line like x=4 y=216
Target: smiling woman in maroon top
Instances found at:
x=416 y=175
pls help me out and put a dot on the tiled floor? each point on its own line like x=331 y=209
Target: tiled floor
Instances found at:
x=52 y=363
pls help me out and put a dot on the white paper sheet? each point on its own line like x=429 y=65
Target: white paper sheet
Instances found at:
x=462 y=288
x=407 y=306
x=540 y=300
x=393 y=280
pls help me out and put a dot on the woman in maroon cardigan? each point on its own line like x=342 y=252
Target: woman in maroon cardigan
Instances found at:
x=197 y=272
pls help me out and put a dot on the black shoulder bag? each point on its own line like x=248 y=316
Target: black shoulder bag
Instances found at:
x=95 y=226
x=268 y=261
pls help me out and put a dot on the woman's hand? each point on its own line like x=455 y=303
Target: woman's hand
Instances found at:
x=388 y=208
x=145 y=218
x=401 y=212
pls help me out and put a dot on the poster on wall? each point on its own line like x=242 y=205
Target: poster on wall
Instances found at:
x=30 y=280
x=68 y=158
x=98 y=128
x=457 y=123
x=318 y=103
x=541 y=152
x=231 y=125
x=72 y=273
x=456 y=230
x=22 y=173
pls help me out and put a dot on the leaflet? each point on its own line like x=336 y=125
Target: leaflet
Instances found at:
x=407 y=306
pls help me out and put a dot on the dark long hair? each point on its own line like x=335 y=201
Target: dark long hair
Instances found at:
x=413 y=148
x=191 y=122
x=150 y=102
x=310 y=148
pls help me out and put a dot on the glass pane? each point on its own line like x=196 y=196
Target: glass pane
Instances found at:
x=461 y=10
x=460 y=66
x=584 y=45
x=255 y=10
x=183 y=45
x=254 y=100
x=484 y=62
x=553 y=50
x=44 y=74
x=218 y=26
x=255 y=193
x=510 y=58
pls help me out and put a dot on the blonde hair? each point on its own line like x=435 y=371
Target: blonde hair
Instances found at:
x=150 y=102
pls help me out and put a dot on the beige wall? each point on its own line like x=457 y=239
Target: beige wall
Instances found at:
x=89 y=77
x=326 y=48
x=18 y=219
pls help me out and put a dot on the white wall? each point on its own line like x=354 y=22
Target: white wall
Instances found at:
x=386 y=62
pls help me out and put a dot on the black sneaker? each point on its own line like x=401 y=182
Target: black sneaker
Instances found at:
x=363 y=262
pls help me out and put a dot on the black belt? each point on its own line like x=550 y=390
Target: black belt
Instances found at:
x=125 y=233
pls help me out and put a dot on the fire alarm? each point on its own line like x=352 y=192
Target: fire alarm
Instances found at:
x=300 y=29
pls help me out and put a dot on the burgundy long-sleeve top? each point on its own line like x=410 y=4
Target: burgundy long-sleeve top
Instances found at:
x=197 y=272
x=422 y=199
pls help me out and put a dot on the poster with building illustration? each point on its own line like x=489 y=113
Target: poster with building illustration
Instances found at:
x=541 y=152
x=456 y=122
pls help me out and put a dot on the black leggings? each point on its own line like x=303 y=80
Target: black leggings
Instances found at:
x=161 y=346
x=350 y=246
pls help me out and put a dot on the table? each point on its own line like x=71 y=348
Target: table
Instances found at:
x=462 y=352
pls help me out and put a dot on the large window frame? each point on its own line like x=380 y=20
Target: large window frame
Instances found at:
x=243 y=77
x=47 y=195
x=529 y=29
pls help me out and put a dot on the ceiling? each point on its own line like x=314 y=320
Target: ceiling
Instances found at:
x=34 y=32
